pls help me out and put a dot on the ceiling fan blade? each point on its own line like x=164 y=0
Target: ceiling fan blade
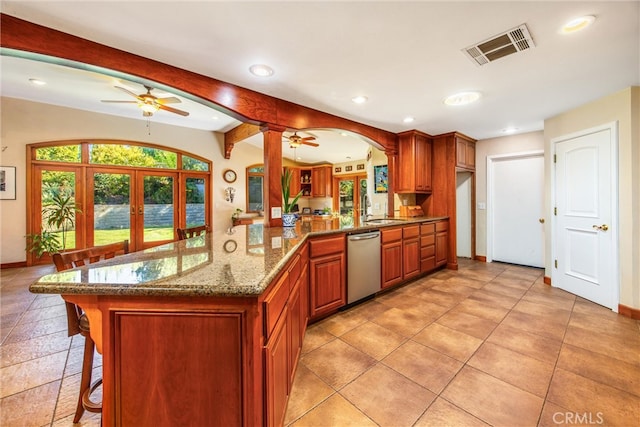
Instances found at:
x=313 y=144
x=119 y=102
x=173 y=110
x=168 y=100
x=135 y=95
x=309 y=138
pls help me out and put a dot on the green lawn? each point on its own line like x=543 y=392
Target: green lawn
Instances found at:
x=103 y=237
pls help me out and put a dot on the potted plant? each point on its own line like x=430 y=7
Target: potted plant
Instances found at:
x=235 y=216
x=57 y=215
x=288 y=218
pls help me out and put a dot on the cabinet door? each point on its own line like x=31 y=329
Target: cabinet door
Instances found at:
x=405 y=177
x=441 y=247
x=327 y=284
x=423 y=164
x=410 y=258
x=391 y=264
x=470 y=155
x=277 y=372
x=294 y=320
x=294 y=187
x=461 y=153
x=318 y=188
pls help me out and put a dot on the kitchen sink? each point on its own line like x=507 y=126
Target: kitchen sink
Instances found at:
x=383 y=221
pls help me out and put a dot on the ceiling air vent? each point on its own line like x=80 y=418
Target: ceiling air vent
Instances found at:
x=511 y=41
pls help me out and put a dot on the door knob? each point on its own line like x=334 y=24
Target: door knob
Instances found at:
x=603 y=227
x=541 y=220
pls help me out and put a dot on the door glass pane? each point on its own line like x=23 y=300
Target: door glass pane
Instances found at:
x=255 y=193
x=158 y=208
x=111 y=204
x=346 y=202
x=195 y=202
x=59 y=206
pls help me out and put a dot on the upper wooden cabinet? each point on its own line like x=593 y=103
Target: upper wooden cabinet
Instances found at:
x=465 y=153
x=321 y=185
x=414 y=163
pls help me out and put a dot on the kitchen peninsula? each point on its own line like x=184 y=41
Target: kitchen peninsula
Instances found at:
x=210 y=329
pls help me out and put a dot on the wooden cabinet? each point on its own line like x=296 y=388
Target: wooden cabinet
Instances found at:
x=465 y=153
x=277 y=376
x=427 y=247
x=294 y=187
x=391 y=257
x=305 y=182
x=327 y=281
x=410 y=252
x=414 y=160
x=321 y=181
x=442 y=237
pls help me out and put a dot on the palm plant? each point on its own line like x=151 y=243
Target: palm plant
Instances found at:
x=58 y=215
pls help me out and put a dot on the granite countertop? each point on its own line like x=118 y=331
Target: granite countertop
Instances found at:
x=241 y=261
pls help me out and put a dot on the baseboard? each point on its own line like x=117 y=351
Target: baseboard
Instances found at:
x=452 y=266
x=631 y=312
x=547 y=280
x=13 y=265
x=480 y=258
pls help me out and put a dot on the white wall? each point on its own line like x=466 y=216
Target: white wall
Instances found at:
x=624 y=108
x=24 y=122
x=532 y=141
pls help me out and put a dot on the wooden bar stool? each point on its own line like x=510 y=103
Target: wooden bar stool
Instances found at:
x=186 y=233
x=78 y=322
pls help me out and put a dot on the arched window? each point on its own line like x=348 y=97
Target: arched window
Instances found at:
x=119 y=190
x=255 y=188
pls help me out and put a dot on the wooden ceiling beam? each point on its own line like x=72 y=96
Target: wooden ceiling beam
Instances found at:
x=238 y=134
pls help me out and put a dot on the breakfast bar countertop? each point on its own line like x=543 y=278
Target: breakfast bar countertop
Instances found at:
x=241 y=262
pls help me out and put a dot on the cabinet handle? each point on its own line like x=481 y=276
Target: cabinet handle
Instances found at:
x=603 y=227
x=140 y=210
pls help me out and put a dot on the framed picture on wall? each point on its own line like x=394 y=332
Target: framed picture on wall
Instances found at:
x=7 y=183
x=348 y=168
x=360 y=167
x=380 y=176
x=338 y=169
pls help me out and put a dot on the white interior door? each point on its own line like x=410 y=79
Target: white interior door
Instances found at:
x=585 y=227
x=516 y=207
x=463 y=214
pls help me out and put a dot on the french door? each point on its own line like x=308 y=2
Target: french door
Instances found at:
x=352 y=200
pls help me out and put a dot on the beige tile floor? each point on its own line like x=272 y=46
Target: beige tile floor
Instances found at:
x=488 y=344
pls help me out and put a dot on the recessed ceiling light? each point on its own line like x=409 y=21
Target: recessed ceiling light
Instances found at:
x=462 y=98
x=359 y=99
x=37 y=82
x=408 y=119
x=215 y=118
x=344 y=134
x=510 y=130
x=261 y=70
x=578 y=24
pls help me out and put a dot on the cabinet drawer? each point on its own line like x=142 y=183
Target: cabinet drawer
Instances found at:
x=326 y=246
x=429 y=228
x=410 y=232
x=275 y=302
x=427 y=251
x=442 y=225
x=427 y=264
x=392 y=235
x=428 y=240
x=294 y=270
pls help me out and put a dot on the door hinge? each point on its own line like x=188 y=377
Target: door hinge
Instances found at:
x=555 y=159
x=555 y=211
x=556 y=263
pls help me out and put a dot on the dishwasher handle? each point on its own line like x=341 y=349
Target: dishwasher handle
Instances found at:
x=364 y=236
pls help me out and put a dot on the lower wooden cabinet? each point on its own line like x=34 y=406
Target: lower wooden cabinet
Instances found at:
x=410 y=252
x=442 y=237
x=327 y=271
x=277 y=372
x=391 y=257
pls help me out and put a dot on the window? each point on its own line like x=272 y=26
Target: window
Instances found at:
x=122 y=191
x=255 y=188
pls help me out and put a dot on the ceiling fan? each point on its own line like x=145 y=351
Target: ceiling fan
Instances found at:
x=149 y=103
x=296 y=140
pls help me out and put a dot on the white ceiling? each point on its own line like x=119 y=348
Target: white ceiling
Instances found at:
x=406 y=57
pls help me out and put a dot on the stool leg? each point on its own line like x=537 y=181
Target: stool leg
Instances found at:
x=85 y=377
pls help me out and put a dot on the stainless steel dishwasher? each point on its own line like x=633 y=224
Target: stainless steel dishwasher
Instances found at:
x=363 y=265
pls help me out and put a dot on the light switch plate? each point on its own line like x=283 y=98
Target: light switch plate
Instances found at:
x=276 y=212
x=482 y=205
x=276 y=242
